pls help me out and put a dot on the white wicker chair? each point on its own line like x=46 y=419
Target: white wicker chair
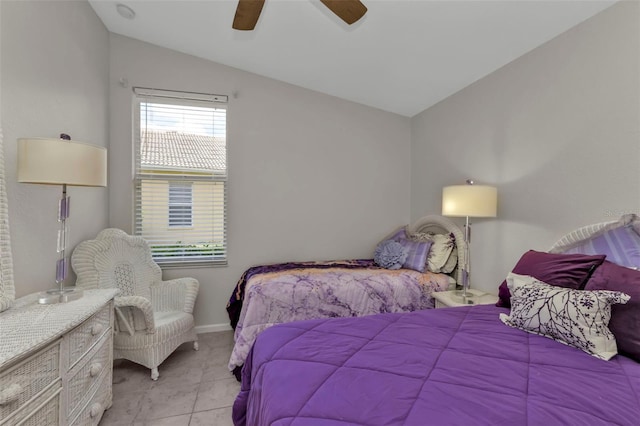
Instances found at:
x=153 y=317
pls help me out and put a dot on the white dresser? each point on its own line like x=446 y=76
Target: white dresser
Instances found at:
x=56 y=361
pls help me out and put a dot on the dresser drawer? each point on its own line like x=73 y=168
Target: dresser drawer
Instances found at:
x=20 y=384
x=99 y=400
x=87 y=374
x=47 y=354
x=43 y=411
x=88 y=333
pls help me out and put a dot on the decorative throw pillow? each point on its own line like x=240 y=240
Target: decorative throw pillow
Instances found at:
x=625 y=319
x=452 y=261
x=390 y=254
x=621 y=245
x=576 y=318
x=443 y=246
x=561 y=270
x=416 y=251
x=397 y=234
x=417 y=254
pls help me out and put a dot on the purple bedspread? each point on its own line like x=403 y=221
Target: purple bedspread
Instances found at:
x=450 y=366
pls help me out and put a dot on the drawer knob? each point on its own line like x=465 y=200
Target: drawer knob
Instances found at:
x=96 y=409
x=95 y=369
x=10 y=393
x=97 y=329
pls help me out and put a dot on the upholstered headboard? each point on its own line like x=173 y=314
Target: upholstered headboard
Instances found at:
x=441 y=225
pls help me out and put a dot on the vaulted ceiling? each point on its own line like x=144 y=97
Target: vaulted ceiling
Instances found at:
x=403 y=56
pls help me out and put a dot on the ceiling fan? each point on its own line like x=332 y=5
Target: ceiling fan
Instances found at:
x=248 y=12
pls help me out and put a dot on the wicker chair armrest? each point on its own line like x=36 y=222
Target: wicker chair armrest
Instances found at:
x=5 y=302
x=175 y=295
x=139 y=302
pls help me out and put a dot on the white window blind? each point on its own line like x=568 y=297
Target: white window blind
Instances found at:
x=181 y=176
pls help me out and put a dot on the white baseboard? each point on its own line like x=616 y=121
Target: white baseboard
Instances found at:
x=212 y=328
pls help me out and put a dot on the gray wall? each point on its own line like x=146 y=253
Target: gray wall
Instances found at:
x=311 y=177
x=557 y=131
x=314 y=177
x=54 y=78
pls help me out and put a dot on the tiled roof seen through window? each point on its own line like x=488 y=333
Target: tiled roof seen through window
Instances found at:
x=170 y=149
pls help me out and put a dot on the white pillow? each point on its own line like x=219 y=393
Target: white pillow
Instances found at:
x=440 y=259
x=452 y=261
x=577 y=318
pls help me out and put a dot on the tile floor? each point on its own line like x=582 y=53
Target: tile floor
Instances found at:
x=194 y=388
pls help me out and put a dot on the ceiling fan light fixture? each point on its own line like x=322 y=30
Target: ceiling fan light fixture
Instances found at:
x=248 y=12
x=125 y=11
x=350 y=11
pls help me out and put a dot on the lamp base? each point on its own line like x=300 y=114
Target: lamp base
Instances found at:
x=464 y=293
x=59 y=295
x=466 y=297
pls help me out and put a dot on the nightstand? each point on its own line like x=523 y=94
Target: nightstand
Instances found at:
x=448 y=298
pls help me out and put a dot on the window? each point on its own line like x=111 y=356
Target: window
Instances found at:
x=181 y=176
x=180 y=204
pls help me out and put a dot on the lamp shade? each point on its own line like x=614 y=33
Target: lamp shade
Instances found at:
x=58 y=161
x=470 y=200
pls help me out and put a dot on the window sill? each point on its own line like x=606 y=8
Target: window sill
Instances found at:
x=192 y=265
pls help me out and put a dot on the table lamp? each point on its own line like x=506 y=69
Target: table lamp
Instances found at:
x=61 y=162
x=469 y=200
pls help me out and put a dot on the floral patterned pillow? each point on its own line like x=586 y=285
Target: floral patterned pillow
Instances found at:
x=440 y=259
x=577 y=318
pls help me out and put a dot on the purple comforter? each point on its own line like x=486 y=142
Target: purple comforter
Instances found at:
x=451 y=366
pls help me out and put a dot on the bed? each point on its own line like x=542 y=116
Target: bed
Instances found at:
x=271 y=294
x=460 y=365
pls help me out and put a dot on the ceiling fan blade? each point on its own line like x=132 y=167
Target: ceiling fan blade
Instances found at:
x=247 y=14
x=347 y=10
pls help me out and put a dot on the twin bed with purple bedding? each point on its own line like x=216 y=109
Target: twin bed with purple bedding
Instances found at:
x=453 y=366
x=272 y=294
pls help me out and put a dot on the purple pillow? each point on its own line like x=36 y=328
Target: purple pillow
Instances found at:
x=417 y=250
x=620 y=245
x=559 y=269
x=390 y=254
x=399 y=234
x=625 y=319
x=416 y=254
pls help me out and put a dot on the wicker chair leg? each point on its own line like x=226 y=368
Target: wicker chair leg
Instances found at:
x=196 y=346
x=154 y=374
